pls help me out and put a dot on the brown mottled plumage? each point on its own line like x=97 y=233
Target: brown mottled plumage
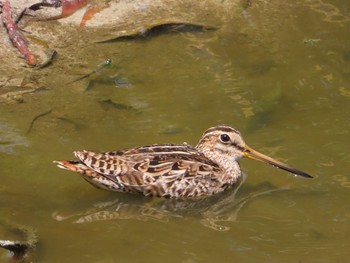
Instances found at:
x=172 y=171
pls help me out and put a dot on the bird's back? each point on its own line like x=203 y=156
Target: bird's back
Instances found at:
x=166 y=170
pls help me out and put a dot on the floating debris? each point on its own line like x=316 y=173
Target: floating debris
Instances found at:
x=158 y=28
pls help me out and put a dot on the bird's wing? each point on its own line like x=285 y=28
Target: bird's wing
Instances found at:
x=146 y=167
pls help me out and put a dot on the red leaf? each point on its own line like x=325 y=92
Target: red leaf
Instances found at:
x=70 y=6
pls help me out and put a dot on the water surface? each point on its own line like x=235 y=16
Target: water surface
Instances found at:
x=278 y=72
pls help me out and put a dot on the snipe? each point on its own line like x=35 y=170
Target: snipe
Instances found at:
x=172 y=171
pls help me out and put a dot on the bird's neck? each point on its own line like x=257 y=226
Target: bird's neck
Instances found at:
x=229 y=165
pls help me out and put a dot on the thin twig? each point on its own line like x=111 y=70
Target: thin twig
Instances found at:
x=17 y=38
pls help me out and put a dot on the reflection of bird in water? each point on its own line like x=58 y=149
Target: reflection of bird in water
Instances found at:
x=213 y=211
x=173 y=171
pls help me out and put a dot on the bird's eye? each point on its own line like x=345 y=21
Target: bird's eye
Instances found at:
x=224 y=137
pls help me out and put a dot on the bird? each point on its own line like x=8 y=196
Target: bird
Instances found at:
x=173 y=170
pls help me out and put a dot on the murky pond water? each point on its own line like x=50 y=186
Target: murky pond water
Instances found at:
x=278 y=73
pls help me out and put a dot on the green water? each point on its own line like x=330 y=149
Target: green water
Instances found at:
x=278 y=73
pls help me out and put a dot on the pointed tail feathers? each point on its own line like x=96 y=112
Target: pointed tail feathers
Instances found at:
x=74 y=166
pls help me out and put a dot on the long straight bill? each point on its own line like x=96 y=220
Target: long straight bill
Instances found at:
x=252 y=154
